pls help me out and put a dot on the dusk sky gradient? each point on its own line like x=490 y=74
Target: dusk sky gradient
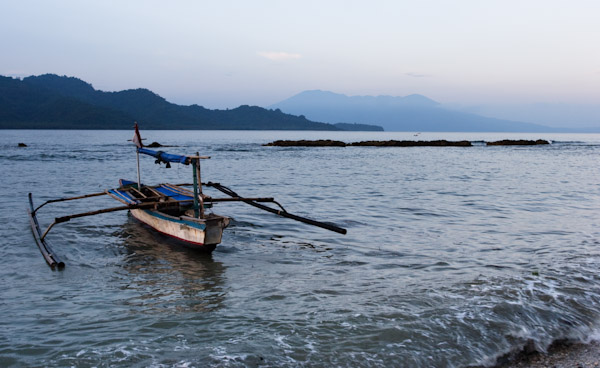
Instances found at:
x=222 y=54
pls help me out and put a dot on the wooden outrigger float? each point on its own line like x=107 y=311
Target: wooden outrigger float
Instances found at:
x=170 y=209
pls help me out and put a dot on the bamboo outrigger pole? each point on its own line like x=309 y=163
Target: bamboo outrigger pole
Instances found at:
x=40 y=238
x=47 y=252
x=66 y=199
x=281 y=212
x=59 y=220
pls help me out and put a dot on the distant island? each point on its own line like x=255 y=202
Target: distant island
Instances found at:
x=412 y=113
x=58 y=102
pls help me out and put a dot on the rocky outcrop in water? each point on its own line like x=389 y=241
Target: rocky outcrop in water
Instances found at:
x=520 y=142
x=393 y=143
x=305 y=143
x=390 y=143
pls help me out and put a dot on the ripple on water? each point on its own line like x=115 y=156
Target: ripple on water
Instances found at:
x=453 y=257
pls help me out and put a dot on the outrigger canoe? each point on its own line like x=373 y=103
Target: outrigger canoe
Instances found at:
x=170 y=209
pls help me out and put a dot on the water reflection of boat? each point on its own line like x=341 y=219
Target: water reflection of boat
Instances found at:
x=165 y=276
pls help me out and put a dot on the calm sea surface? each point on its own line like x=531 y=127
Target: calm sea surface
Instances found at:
x=453 y=257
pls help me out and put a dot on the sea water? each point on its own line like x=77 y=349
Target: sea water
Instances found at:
x=454 y=256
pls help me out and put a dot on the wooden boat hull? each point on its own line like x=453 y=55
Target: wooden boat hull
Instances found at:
x=203 y=234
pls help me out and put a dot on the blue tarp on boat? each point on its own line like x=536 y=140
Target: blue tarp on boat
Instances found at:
x=168 y=190
x=165 y=157
x=124 y=196
x=173 y=193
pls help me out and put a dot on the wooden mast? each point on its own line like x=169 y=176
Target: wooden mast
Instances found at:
x=137 y=140
x=198 y=196
x=137 y=156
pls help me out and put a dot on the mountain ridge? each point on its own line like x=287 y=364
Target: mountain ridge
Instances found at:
x=409 y=113
x=50 y=101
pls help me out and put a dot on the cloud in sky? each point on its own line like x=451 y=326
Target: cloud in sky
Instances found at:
x=279 y=55
x=417 y=75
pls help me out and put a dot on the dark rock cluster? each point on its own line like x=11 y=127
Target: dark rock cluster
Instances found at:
x=520 y=142
x=305 y=143
x=393 y=143
x=390 y=143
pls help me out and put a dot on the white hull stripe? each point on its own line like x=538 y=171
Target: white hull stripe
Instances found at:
x=188 y=223
x=175 y=228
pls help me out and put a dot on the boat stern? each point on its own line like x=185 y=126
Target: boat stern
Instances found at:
x=214 y=229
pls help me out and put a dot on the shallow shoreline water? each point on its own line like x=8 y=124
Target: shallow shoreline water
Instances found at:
x=453 y=257
x=562 y=354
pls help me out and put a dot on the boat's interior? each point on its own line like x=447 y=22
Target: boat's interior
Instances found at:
x=182 y=199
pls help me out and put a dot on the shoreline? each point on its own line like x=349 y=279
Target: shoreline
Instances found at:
x=562 y=354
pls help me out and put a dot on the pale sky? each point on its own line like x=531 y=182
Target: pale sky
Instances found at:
x=222 y=54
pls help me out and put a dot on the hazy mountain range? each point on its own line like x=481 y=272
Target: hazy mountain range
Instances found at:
x=54 y=102
x=411 y=113
x=578 y=116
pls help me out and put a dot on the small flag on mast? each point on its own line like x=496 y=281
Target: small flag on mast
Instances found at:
x=137 y=140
